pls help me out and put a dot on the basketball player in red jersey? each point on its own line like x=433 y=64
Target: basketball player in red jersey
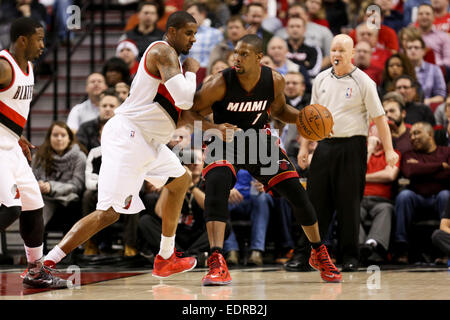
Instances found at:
x=20 y=195
x=241 y=98
x=134 y=147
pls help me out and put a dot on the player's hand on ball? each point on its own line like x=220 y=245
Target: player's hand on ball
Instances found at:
x=191 y=65
x=391 y=158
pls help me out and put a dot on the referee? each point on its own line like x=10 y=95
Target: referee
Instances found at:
x=337 y=171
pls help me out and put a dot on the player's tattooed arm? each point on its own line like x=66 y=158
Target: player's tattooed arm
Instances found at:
x=279 y=108
x=5 y=73
x=162 y=60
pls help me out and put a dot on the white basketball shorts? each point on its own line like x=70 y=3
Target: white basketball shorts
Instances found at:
x=18 y=185
x=127 y=160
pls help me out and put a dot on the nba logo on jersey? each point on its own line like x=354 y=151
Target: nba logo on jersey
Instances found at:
x=132 y=132
x=348 y=93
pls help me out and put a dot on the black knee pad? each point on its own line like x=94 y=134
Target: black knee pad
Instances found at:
x=32 y=227
x=8 y=215
x=219 y=182
x=302 y=208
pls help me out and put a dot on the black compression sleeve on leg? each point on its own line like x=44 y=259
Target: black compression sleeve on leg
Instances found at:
x=32 y=227
x=219 y=182
x=8 y=215
x=303 y=210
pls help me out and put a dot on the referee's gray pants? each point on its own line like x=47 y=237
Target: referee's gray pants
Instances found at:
x=336 y=183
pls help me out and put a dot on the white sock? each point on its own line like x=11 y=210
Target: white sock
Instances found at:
x=34 y=254
x=55 y=255
x=371 y=242
x=167 y=246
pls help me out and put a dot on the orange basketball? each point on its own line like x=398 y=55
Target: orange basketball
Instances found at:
x=315 y=122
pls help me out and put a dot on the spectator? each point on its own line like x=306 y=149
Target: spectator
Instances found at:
x=146 y=31
x=234 y=31
x=248 y=201
x=370 y=35
x=216 y=67
x=88 y=109
x=415 y=111
x=427 y=168
x=315 y=35
x=429 y=75
x=440 y=114
x=394 y=106
x=410 y=9
x=128 y=52
x=441 y=15
x=206 y=38
x=438 y=41
x=395 y=66
x=295 y=90
x=336 y=11
x=89 y=132
x=387 y=37
x=362 y=59
x=299 y=52
x=442 y=136
x=61 y=15
x=268 y=62
x=376 y=205
x=59 y=166
x=277 y=50
x=122 y=90
x=11 y=10
x=254 y=17
x=411 y=34
x=316 y=12
x=391 y=18
x=441 y=237
x=271 y=21
x=115 y=70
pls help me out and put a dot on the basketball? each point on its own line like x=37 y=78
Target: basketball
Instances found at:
x=315 y=122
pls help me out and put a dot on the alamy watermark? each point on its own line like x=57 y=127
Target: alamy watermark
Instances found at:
x=73 y=21
x=374 y=280
x=374 y=17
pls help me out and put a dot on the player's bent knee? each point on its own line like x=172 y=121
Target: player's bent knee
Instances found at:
x=108 y=217
x=8 y=215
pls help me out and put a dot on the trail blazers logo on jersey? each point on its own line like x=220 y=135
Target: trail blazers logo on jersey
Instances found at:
x=24 y=92
x=15 y=191
x=128 y=202
x=249 y=106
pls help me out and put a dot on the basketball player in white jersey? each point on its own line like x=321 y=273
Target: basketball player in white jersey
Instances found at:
x=20 y=195
x=134 y=147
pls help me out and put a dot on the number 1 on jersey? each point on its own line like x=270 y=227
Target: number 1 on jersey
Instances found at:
x=257 y=117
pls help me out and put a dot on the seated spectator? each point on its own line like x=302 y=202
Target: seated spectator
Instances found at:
x=89 y=132
x=88 y=109
x=59 y=166
x=295 y=90
x=191 y=231
x=440 y=114
x=395 y=66
x=122 y=90
x=316 y=12
x=298 y=51
x=394 y=106
x=441 y=15
x=61 y=15
x=362 y=59
x=442 y=136
x=415 y=111
x=427 y=168
x=247 y=202
x=376 y=205
x=146 y=31
x=254 y=17
x=391 y=18
x=336 y=11
x=206 y=38
x=410 y=8
x=268 y=62
x=429 y=75
x=115 y=70
x=271 y=21
x=216 y=67
x=441 y=237
x=128 y=52
x=386 y=37
x=277 y=49
x=235 y=30
x=379 y=54
x=13 y=9
x=411 y=34
x=438 y=41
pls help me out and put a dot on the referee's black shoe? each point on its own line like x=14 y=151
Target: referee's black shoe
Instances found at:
x=298 y=263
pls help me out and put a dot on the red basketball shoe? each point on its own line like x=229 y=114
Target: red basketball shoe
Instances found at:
x=163 y=268
x=320 y=260
x=218 y=274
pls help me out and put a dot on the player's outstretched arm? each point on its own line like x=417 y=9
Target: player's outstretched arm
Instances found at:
x=279 y=109
x=164 y=59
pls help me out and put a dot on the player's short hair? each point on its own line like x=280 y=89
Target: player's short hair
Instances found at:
x=23 y=26
x=395 y=97
x=255 y=41
x=179 y=19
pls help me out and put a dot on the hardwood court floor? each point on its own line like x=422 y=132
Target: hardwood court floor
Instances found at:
x=267 y=283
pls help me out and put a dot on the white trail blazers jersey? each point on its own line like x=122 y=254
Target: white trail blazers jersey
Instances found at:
x=15 y=99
